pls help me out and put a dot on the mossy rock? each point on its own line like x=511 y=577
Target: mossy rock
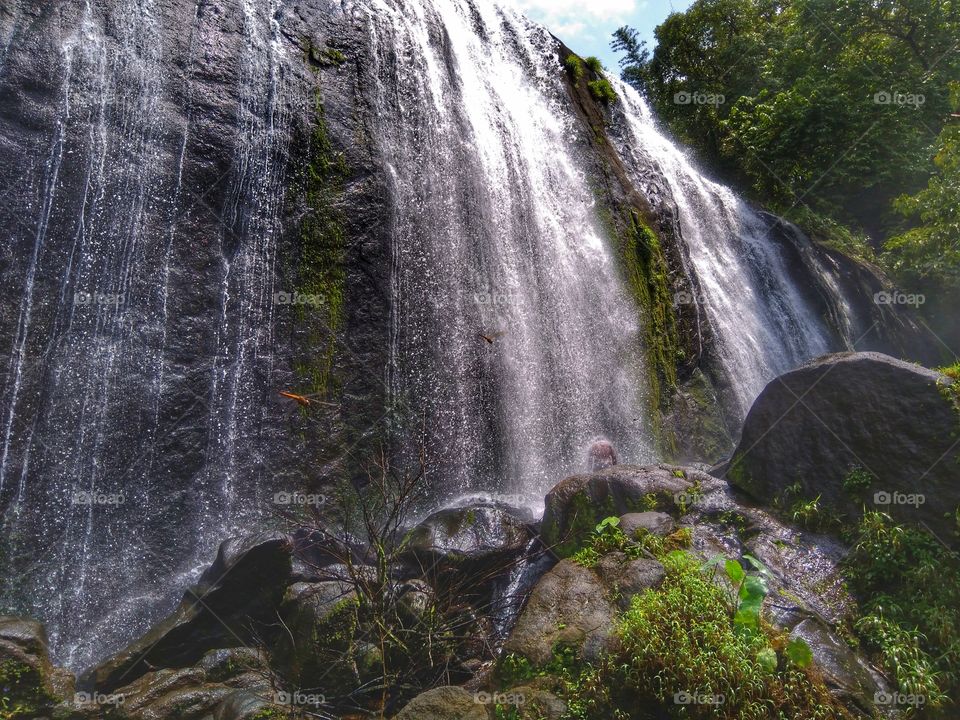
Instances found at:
x=575 y=505
x=28 y=681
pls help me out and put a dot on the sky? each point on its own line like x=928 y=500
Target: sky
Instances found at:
x=586 y=26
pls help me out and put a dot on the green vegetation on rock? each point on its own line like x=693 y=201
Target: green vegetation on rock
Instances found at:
x=688 y=639
x=24 y=692
x=575 y=67
x=602 y=90
x=594 y=64
x=322 y=273
x=908 y=584
x=645 y=265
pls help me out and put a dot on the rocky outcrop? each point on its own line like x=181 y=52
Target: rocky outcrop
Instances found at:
x=575 y=505
x=856 y=430
x=445 y=703
x=569 y=606
x=477 y=538
x=238 y=593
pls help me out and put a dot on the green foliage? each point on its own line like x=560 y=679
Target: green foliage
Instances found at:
x=608 y=537
x=909 y=588
x=23 y=692
x=680 y=639
x=594 y=64
x=931 y=249
x=647 y=274
x=799 y=652
x=826 y=110
x=322 y=273
x=807 y=512
x=575 y=68
x=602 y=90
x=857 y=480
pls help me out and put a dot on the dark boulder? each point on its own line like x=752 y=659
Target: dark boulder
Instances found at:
x=575 y=505
x=856 y=430
x=233 y=599
x=477 y=539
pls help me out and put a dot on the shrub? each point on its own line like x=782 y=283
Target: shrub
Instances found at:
x=574 y=66
x=602 y=90
x=857 y=480
x=909 y=588
x=594 y=64
x=680 y=640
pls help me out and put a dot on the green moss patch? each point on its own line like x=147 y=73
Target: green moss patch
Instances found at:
x=322 y=271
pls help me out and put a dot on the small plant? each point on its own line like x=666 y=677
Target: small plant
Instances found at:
x=602 y=90
x=575 y=68
x=807 y=512
x=649 y=502
x=857 y=480
x=594 y=64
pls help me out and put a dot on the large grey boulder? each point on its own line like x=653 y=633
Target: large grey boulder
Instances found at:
x=571 y=606
x=895 y=423
x=474 y=538
x=575 y=505
x=445 y=703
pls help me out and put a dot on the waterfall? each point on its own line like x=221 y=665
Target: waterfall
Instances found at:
x=142 y=345
x=124 y=419
x=764 y=322
x=514 y=335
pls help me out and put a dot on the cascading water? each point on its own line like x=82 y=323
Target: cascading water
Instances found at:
x=763 y=321
x=144 y=344
x=119 y=459
x=514 y=336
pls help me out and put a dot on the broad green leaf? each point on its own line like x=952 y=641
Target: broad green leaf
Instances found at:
x=734 y=571
x=799 y=652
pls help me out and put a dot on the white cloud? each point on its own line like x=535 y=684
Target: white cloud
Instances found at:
x=572 y=18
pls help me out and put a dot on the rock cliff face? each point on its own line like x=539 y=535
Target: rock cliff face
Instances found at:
x=209 y=204
x=193 y=220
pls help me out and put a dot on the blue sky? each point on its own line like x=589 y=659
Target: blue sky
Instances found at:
x=586 y=25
